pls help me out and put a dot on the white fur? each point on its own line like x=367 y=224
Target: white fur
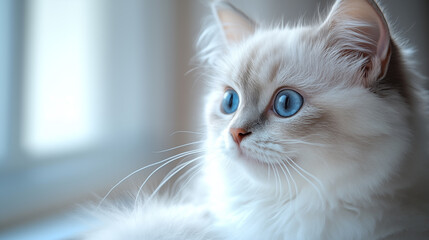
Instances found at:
x=351 y=164
x=159 y=219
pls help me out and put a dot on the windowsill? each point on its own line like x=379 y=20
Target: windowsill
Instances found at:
x=65 y=225
x=29 y=193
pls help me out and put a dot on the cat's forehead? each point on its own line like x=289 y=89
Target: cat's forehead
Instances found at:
x=280 y=58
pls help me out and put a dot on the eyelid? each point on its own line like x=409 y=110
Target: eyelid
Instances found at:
x=226 y=88
x=278 y=90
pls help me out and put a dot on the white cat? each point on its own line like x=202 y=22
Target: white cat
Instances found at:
x=313 y=132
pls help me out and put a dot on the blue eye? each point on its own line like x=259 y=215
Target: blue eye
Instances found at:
x=288 y=103
x=230 y=101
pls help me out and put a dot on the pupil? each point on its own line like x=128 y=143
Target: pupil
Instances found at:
x=286 y=102
x=230 y=100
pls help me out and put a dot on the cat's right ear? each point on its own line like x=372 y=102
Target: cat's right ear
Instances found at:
x=234 y=24
x=359 y=28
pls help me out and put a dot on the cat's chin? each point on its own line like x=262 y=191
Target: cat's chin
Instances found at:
x=241 y=156
x=245 y=155
x=247 y=159
x=251 y=160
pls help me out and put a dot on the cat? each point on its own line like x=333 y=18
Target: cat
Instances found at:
x=313 y=132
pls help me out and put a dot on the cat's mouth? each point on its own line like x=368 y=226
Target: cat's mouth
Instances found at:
x=250 y=155
x=265 y=156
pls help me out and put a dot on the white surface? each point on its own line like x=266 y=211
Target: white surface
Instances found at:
x=68 y=225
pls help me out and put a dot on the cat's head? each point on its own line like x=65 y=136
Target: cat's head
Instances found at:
x=307 y=108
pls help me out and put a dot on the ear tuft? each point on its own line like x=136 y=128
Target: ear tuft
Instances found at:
x=235 y=25
x=359 y=26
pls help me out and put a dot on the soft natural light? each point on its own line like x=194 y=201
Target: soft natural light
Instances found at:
x=62 y=79
x=5 y=70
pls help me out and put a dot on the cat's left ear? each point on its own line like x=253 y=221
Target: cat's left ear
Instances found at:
x=235 y=25
x=359 y=26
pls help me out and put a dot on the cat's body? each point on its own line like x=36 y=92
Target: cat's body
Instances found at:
x=349 y=161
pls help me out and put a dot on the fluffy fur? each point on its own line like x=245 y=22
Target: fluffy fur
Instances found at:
x=351 y=164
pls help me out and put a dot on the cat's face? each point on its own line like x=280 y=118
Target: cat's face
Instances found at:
x=288 y=106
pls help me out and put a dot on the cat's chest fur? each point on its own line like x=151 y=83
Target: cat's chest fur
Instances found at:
x=243 y=213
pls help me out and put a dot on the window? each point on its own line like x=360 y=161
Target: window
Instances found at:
x=81 y=83
x=63 y=86
x=6 y=47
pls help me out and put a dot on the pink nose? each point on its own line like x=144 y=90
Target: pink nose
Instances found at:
x=238 y=134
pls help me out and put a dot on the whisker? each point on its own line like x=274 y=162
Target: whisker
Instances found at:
x=294 y=183
x=191 y=70
x=178 y=156
x=274 y=174
x=184 y=160
x=302 y=142
x=306 y=172
x=291 y=177
x=287 y=180
x=276 y=177
x=180 y=146
x=165 y=180
x=188 y=175
x=191 y=176
x=129 y=175
x=191 y=132
x=291 y=204
x=303 y=176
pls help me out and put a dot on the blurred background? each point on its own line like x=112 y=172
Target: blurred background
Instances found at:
x=90 y=90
